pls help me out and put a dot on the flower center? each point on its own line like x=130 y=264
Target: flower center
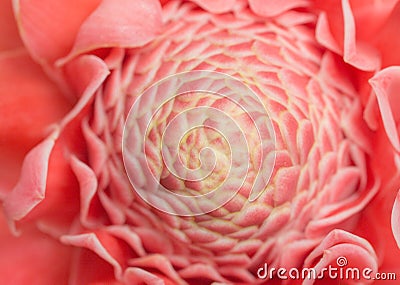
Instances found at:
x=318 y=171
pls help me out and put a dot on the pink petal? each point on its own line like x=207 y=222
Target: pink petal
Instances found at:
x=122 y=23
x=91 y=242
x=387 y=39
x=33 y=258
x=96 y=149
x=270 y=8
x=9 y=36
x=49 y=28
x=160 y=263
x=353 y=255
x=360 y=55
x=128 y=234
x=365 y=10
x=216 y=6
x=324 y=34
x=205 y=270
x=30 y=189
x=341 y=210
x=25 y=96
x=85 y=74
x=341 y=28
x=88 y=186
x=386 y=85
x=336 y=237
x=140 y=276
x=376 y=225
x=357 y=251
x=395 y=221
x=61 y=186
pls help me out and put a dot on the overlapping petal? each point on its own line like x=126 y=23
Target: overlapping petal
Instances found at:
x=270 y=8
x=340 y=249
x=107 y=52
x=345 y=27
x=53 y=30
x=386 y=85
x=218 y=6
x=25 y=94
x=118 y=24
x=49 y=28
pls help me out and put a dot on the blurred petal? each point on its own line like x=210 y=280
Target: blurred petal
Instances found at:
x=89 y=268
x=9 y=36
x=365 y=10
x=121 y=23
x=49 y=28
x=324 y=34
x=270 y=8
x=216 y=6
x=386 y=85
x=33 y=258
x=340 y=28
x=360 y=55
x=25 y=96
x=396 y=219
x=387 y=39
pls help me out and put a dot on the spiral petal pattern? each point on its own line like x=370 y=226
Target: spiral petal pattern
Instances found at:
x=319 y=181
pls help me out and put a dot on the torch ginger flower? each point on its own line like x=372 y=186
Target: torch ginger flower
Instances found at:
x=325 y=73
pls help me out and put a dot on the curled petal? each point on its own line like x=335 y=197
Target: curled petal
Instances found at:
x=96 y=149
x=159 y=262
x=85 y=74
x=49 y=28
x=341 y=255
x=381 y=11
x=395 y=221
x=386 y=85
x=202 y=270
x=365 y=44
x=25 y=96
x=135 y=275
x=336 y=237
x=338 y=30
x=360 y=55
x=216 y=6
x=30 y=189
x=270 y=8
x=324 y=35
x=128 y=235
x=121 y=23
x=92 y=242
x=343 y=209
x=88 y=186
x=339 y=249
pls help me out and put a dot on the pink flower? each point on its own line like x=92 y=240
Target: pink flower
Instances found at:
x=328 y=75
